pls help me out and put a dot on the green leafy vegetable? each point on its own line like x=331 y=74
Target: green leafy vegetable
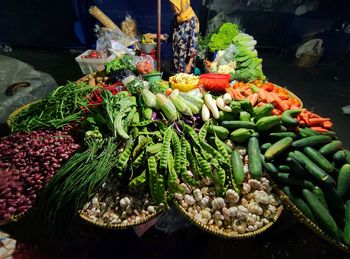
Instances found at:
x=224 y=37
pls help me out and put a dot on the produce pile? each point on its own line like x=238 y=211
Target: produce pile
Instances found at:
x=213 y=149
x=28 y=161
x=236 y=54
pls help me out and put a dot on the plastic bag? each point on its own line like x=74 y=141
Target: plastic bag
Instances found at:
x=115 y=41
x=229 y=53
x=312 y=47
x=144 y=64
x=14 y=71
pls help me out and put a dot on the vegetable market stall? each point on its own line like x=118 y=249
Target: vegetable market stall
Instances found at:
x=227 y=154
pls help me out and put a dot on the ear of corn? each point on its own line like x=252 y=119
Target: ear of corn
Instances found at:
x=149 y=98
x=180 y=105
x=167 y=107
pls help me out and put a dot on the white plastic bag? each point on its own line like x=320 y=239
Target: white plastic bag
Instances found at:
x=14 y=71
x=312 y=47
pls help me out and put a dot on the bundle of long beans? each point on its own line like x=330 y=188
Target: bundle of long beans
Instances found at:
x=63 y=106
x=77 y=180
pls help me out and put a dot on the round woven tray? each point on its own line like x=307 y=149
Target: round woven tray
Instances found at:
x=86 y=218
x=224 y=234
x=304 y=220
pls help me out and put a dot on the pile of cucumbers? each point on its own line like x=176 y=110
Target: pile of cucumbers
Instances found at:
x=312 y=168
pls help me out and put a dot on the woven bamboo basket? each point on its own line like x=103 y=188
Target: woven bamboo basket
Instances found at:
x=312 y=226
x=86 y=219
x=225 y=234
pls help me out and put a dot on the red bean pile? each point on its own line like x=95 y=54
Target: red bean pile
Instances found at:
x=27 y=163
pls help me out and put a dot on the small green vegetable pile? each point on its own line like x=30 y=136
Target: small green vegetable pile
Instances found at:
x=224 y=37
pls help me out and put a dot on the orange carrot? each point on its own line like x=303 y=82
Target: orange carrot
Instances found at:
x=319 y=129
x=262 y=94
x=305 y=118
x=293 y=107
x=327 y=124
x=249 y=98
x=301 y=122
x=254 y=99
x=316 y=121
x=276 y=112
x=238 y=94
x=261 y=104
x=280 y=104
x=269 y=97
x=229 y=90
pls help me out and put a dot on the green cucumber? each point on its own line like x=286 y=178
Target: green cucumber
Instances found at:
x=267 y=123
x=278 y=128
x=288 y=179
x=278 y=147
x=335 y=204
x=311 y=141
x=343 y=185
x=254 y=161
x=262 y=111
x=319 y=159
x=226 y=116
x=320 y=196
x=300 y=203
x=314 y=170
x=329 y=133
x=346 y=232
x=220 y=131
x=265 y=146
x=296 y=169
x=269 y=167
x=244 y=116
x=237 y=167
x=307 y=132
x=330 y=148
x=280 y=135
x=283 y=169
x=238 y=124
x=323 y=217
x=288 y=118
x=241 y=135
x=342 y=156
